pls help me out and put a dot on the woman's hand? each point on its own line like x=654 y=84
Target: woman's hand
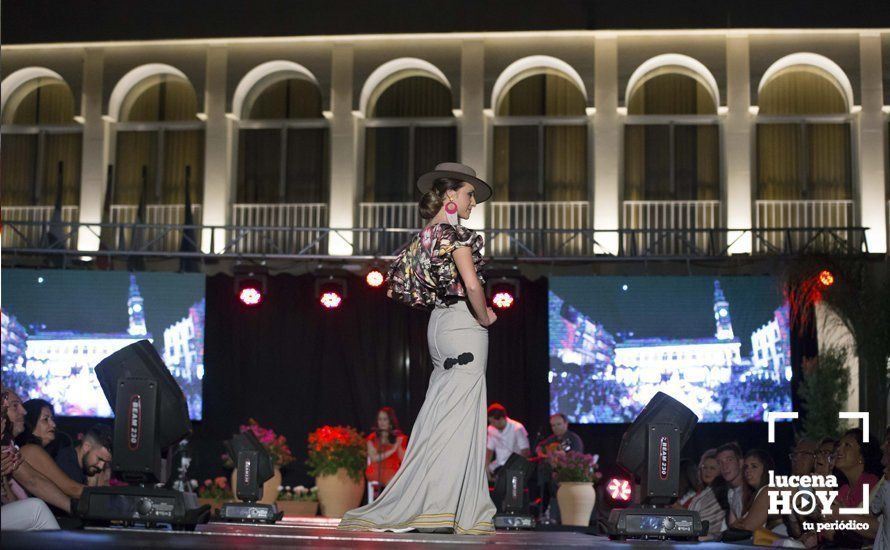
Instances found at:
x=492 y=317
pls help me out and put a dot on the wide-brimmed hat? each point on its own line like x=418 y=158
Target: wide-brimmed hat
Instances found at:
x=457 y=172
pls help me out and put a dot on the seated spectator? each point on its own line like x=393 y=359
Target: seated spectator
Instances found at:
x=505 y=437
x=803 y=462
x=851 y=458
x=35 y=455
x=756 y=471
x=562 y=438
x=705 y=501
x=85 y=462
x=689 y=483
x=18 y=511
x=824 y=463
x=729 y=459
x=386 y=447
x=40 y=424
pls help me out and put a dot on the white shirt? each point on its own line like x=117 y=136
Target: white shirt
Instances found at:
x=736 y=506
x=512 y=439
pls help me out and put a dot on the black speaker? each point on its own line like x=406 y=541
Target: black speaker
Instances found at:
x=136 y=456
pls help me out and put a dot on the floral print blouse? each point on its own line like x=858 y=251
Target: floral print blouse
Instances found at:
x=424 y=275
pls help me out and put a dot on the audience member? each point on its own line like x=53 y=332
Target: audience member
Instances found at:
x=824 y=463
x=40 y=424
x=729 y=459
x=880 y=501
x=705 y=501
x=851 y=457
x=757 y=465
x=88 y=459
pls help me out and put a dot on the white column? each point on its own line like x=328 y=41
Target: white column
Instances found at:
x=343 y=152
x=872 y=196
x=737 y=143
x=606 y=144
x=215 y=203
x=94 y=155
x=472 y=120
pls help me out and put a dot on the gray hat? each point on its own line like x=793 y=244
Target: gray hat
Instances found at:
x=458 y=172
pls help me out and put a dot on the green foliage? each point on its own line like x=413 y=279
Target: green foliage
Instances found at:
x=823 y=393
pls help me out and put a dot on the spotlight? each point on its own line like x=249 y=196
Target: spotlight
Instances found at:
x=330 y=292
x=374 y=278
x=619 y=490
x=503 y=292
x=826 y=278
x=250 y=286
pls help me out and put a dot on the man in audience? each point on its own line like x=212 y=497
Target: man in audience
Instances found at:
x=803 y=462
x=505 y=437
x=90 y=457
x=880 y=502
x=565 y=439
x=729 y=458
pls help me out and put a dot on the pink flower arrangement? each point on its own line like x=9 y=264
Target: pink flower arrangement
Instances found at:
x=215 y=489
x=274 y=443
x=574 y=466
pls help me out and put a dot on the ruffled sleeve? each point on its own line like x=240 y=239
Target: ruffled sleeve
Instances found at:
x=452 y=238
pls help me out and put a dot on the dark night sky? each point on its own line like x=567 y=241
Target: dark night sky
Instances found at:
x=43 y=21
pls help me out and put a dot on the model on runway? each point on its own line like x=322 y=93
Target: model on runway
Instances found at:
x=441 y=485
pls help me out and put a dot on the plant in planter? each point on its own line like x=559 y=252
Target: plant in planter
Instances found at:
x=297 y=501
x=823 y=393
x=576 y=474
x=277 y=447
x=214 y=491
x=337 y=459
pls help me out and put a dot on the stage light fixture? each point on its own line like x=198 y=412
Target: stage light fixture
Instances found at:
x=619 y=489
x=250 y=286
x=826 y=278
x=504 y=292
x=374 y=278
x=330 y=292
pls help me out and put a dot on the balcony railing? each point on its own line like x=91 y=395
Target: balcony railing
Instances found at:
x=526 y=222
x=385 y=215
x=150 y=238
x=683 y=221
x=38 y=226
x=279 y=241
x=770 y=216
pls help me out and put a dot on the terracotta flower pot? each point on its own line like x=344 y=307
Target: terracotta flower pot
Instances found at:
x=576 y=500
x=338 y=493
x=270 y=488
x=298 y=507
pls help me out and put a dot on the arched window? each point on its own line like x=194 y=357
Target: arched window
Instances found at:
x=283 y=145
x=540 y=140
x=803 y=137
x=671 y=144
x=40 y=137
x=159 y=139
x=410 y=128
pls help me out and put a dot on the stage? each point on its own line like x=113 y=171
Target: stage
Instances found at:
x=313 y=533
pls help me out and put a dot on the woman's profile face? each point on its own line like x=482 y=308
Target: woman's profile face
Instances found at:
x=848 y=452
x=465 y=197
x=45 y=430
x=383 y=422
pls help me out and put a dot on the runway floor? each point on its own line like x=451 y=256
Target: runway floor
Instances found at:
x=314 y=533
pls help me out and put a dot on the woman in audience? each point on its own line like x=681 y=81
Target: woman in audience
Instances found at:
x=40 y=431
x=705 y=502
x=690 y=483
x=40 y=424
x=386 y=447
x=756 y=471
x=853 y=459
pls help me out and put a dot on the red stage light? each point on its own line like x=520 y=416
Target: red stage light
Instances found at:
x=826 y=278
x=502 y=300
x=374 y=278
x=331 y=299
x=250 y=295
x=619 y=489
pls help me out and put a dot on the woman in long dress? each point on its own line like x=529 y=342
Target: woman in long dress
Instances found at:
x=441 y=485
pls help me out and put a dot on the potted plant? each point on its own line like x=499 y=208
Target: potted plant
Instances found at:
x=213 y=491
x=337 y=459
x=575 y=473
x=297 y=501
x=276 y=445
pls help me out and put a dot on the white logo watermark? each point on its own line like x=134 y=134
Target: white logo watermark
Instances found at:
x=805 y=495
